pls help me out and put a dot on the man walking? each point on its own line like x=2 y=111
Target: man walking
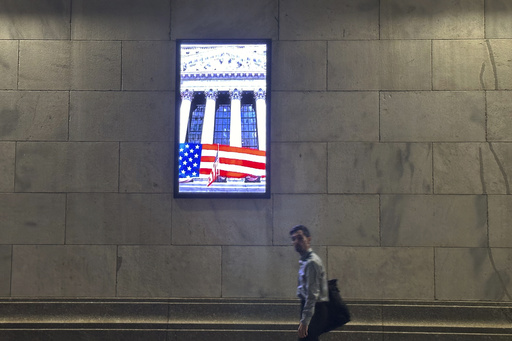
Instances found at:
x=312 y=286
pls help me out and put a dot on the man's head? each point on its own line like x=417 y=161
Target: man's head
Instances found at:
x=301 y=238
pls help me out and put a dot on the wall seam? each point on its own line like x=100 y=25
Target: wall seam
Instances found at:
x=11 y=284
x=486 y=117
x=431 y=64
x=433 y=181
x=65 y=218
x=18 y=67
x=70 y=20
x=119 y=167
x=221 y=271
x=327 y=192
x=121 y=85
x=117 y=271
x=379 y=218
x=69 y=114
x=15 y=163
x=278 y=21
x=434 y=267
x=379 y=19
x=170 y=20
x=485 y=21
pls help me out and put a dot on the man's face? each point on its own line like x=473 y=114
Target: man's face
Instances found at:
x=301 y=242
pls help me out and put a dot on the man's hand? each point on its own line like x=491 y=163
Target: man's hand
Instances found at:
x=303 y=330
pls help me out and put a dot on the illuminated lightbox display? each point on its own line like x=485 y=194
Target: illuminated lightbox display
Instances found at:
x=222 y=146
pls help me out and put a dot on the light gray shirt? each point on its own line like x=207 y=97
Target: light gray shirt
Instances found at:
x=312 y=284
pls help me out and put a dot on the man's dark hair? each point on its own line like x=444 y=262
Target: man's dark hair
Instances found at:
x=302 y=228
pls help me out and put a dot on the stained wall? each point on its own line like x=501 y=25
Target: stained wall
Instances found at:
x=391 y=139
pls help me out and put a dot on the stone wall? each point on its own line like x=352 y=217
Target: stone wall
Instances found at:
x=391 y=131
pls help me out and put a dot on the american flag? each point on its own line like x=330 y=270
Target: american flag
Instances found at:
x=197 y=160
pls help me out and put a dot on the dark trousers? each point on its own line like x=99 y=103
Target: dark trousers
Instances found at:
x=318 y=321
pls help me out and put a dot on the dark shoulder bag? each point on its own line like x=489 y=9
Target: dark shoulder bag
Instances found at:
x=338 y=310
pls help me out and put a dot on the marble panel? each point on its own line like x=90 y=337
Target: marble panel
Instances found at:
x=69 y=65
x=325 y=116
x=169 y=271
x=499 y=115
x=328 y=19
x=222 y=222
x=380 y=168
x=472 y=168
x=473 y=274
x=204 y=19
x=42 y=19
x=379 y=65
x=67 y=167
x=434 y=220
x=120 y=116
x=299 y=168
x=383 y=273
x=299 y=65
x=497 y=19
x=351 y=220
x=64 y=270
x=120 y=20
x=472 y=64
x=5 y=270
x=431 y=19
x=8 y=63
x=34 y=115
x=146 y=167
x=32 y=218
x=148 y=65
x=7 y=166
x=260 y=271
x=500 y=216
x=111 y=218
x=432 y=116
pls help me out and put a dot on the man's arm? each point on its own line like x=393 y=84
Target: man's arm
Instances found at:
x=312 y=272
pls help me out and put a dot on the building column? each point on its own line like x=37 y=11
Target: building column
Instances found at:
x=235 y=130
x=261 y=118
x=186 y=102
x=209 y=117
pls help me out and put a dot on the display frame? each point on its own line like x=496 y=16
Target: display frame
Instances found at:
x=227 y=156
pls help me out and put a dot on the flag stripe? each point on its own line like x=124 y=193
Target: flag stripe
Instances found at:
x=224 y=148
x=209 y=159
x=231 y=155
x=243 y=163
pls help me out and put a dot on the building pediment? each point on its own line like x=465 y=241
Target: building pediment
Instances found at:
x=222 y=61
